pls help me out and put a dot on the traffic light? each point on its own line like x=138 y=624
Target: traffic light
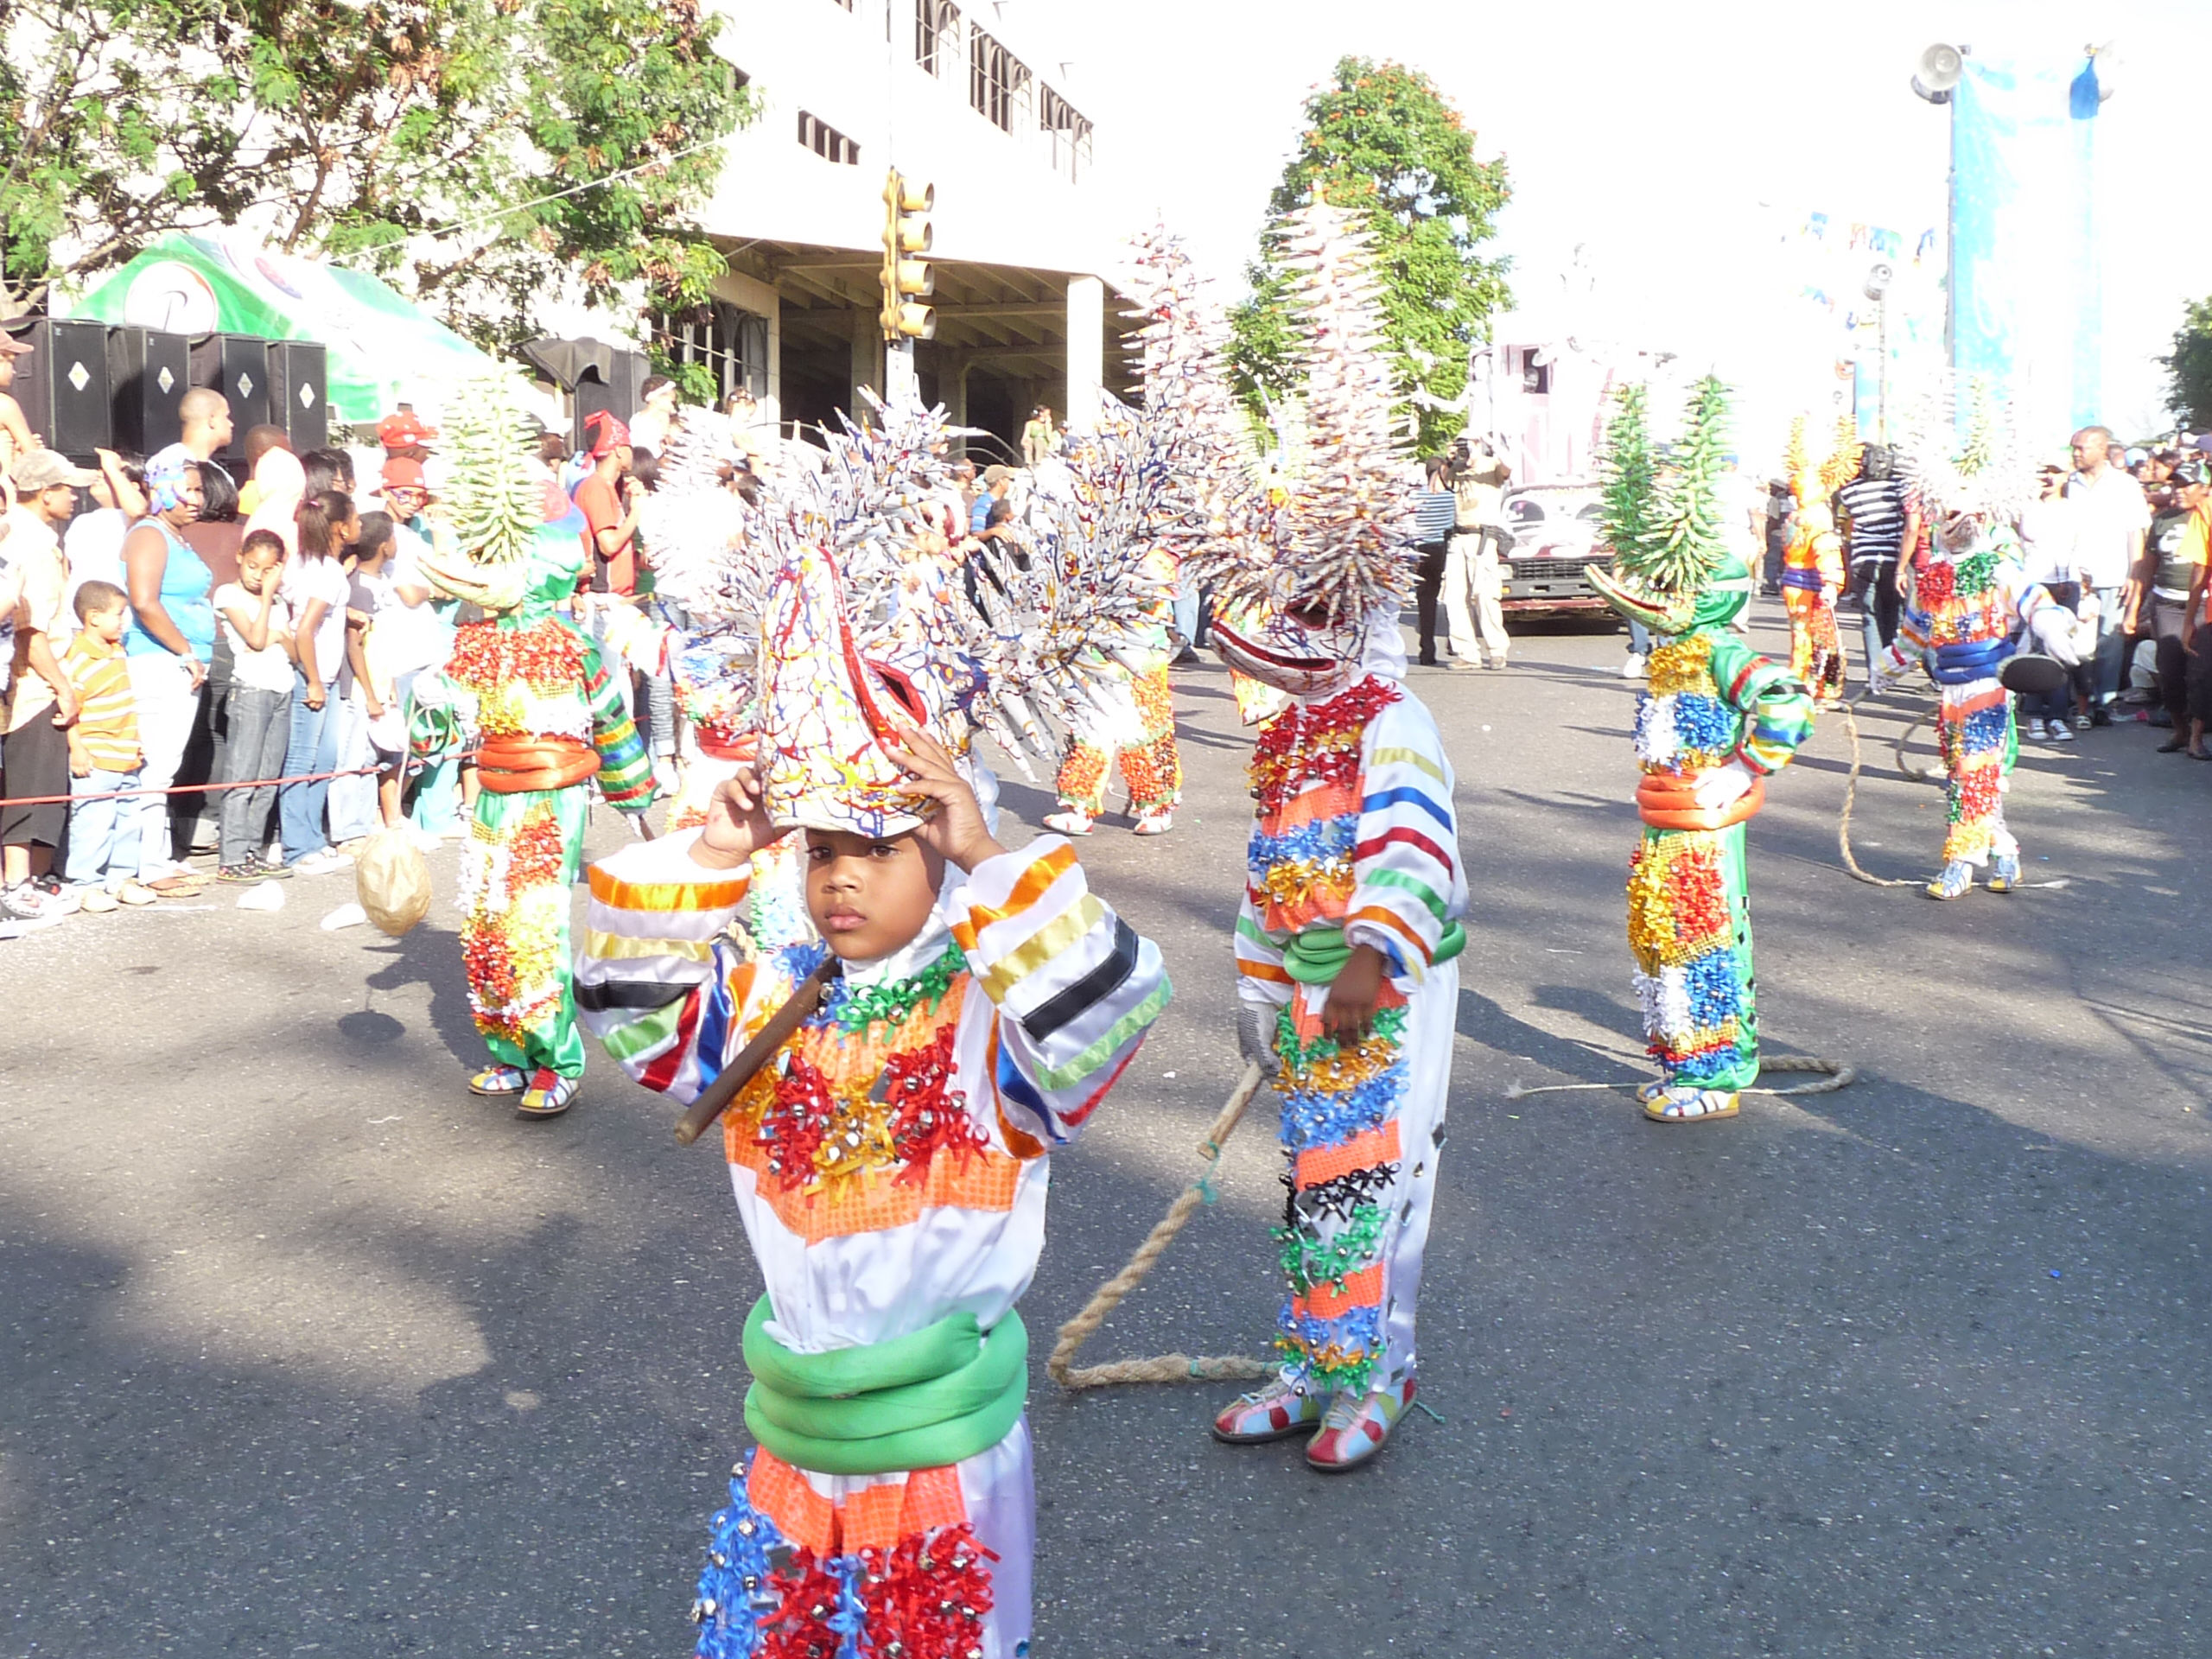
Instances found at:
x=907 y=279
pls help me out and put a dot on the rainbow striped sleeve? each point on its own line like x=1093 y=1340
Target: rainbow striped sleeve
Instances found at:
x=626 y=770
x=658 y=983
x=1407 y=885
x=1075 y=986
x=1263 y=977
x=1777 y=710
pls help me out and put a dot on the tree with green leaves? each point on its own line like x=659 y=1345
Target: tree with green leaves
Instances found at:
x=480 y=153
x=1381 y=140
x=2189 y=367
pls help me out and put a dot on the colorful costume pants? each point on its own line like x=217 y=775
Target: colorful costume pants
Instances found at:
x=1816 y=643
x=1689 y=924
x=1362 y=1130
x=1974 y=730
x=1143 y=732
x=517 y=867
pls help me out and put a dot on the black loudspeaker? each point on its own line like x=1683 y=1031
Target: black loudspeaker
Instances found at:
x=237 y=366
x=299 y=386
x=62 y=385
x=148 y=372
x=617 y=395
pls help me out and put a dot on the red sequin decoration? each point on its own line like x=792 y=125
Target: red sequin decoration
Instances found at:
x=926 y=1116
x=1317 y=742
x=924 y=1598
x=546 y=656
x=796 y=1122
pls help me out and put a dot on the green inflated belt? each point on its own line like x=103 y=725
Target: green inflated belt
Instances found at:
x=919 y=1401
x=1317 y=956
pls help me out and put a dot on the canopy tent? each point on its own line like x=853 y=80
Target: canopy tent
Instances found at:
x=384 y=350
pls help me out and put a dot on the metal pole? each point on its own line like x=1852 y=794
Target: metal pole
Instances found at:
x=1882 y=370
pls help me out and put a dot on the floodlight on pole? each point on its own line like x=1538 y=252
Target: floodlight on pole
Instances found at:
x=1940 y=69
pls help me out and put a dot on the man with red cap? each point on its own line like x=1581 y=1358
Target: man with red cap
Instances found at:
x=608 y=499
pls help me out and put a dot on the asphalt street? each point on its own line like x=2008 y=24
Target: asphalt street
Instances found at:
x=310 y=1352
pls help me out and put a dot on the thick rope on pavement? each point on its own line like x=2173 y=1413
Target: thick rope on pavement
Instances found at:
x=1850 y=800
x=1167 y=1368
x=1834 y=1075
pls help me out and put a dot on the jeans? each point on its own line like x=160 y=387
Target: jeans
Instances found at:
x=353 y=801
x=1879 y=604
x=1428 y=594
x=312 y=748
x=105 y=838
x=167 y=705
x=1187 y=610
x=258 y=728
x=2110 y=659
x=1639 y=638
x=205 y=757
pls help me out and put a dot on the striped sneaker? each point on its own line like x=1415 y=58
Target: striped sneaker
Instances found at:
x=1356 y=1427
x=549 y=1094
x=497 y=1081
x=1274 y=1413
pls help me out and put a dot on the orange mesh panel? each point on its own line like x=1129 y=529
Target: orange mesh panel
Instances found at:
x=785 y=1496
x=933 y=1500
x=1363 y=1151
x=1325 y=1302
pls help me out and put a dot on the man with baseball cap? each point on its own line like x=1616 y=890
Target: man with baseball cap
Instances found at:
x=16 y=437
x=35 y=751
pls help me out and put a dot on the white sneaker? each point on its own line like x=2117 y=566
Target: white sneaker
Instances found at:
x=65 y=902
x=2033 y=728
x=1633 y=669
x=324 y=862
x=2059 y=732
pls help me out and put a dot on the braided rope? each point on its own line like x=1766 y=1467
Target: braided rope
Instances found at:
x=1167 y=1367
x=1850 y=799
x=1834 y=1075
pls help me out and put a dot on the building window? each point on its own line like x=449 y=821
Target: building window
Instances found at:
x=1067 y=132
x=937 y=35
x=826 y=141
x=997 y=79
x=733 y=343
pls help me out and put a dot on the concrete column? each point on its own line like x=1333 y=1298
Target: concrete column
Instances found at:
x=1086 y=352
x=867 y=362
x=952 y=387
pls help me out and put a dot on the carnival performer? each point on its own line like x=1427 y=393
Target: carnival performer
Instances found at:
x=891 y=1160
x=1135 y=726
x=1714 y=720
x=1812 y=581
x=1348 y=935
x=550 y=723
x=1967 y=600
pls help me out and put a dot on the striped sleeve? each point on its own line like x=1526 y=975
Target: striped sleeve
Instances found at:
x=1076 y=987
x=1777 y=710
x=625 y=771
x=657 y=982
x=1260 y=974
x=1407 y=884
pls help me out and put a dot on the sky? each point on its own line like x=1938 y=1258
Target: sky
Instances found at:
x=1662 y=139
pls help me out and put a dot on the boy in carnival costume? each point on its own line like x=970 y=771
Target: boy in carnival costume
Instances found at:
x=1714 y=720
x=1347 y=939
x=550 y=722
x=1966 y=599
x=890 y=1160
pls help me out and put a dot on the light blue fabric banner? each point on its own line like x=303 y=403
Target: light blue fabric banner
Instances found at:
x=2028 y=285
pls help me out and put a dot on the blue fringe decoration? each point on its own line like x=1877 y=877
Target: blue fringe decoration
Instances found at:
x=1312 y=1117
x=1716 y=989
x=849 y=1622
x=1358 y=1332
x=1984 y=730
x=1321 y=842
x=1705 y=723
x=734 y=1595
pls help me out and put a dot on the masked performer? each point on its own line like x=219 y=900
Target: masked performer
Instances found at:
x=1714 y=720
x=1967 y=600
x=1347 y=939
x=551 y=723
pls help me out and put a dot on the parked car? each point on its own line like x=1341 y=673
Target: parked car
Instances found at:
x=1555 y=538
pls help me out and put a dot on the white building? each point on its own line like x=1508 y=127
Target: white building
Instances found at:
x=846 y=90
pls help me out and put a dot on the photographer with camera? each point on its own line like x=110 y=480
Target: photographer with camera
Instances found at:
x=1478 y=477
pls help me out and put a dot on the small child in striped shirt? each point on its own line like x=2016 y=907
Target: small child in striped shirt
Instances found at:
x=104 y=757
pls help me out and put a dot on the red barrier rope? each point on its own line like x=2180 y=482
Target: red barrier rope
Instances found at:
x=197 y=789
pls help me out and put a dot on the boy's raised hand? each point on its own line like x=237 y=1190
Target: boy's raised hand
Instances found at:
x=956 y=830
x=737 y=822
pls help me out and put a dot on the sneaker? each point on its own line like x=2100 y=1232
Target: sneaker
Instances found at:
x=321 y=863
x=1687 y=1103
x=134 y=892
x=1069 y=821
x=264 y=870
x=1355 y=1427
x=1154 y=824
x=26 y=906
x=59 y=900
x=549 y=1094
x=2060 y=732
x=2101 y=716
x=2033 y=730
x=498 y=1081
x=1274 y=1413
x=1634 y=668
x=2006 y=876
x=1954 y=881
x=246 y=874
x=99 y=902
x=2082 y=722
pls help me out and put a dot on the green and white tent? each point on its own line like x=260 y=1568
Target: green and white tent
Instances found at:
x=384 y=349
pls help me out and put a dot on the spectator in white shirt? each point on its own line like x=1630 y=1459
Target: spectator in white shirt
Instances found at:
x=2108 y=541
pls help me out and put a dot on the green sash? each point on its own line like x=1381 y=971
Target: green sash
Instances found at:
x=1317 y=955
x=919 y=1401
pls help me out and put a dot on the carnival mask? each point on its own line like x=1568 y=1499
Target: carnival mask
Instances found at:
x=1300 y=653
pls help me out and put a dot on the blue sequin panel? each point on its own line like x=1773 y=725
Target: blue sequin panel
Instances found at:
x=1320 y=1117
x=1357 y=1331
x=1705 y=723
x=1317 y=843
x=1716 y=989
x=1985 y=728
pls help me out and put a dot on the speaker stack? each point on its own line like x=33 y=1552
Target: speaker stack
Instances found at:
x=147 y=373
x=299 y=392
x=237 y=366
x=63 y=384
